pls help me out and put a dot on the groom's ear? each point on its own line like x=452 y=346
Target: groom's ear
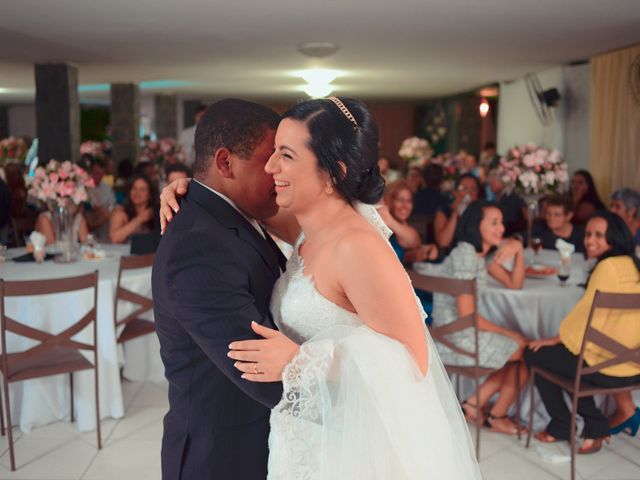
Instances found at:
x=222 y=162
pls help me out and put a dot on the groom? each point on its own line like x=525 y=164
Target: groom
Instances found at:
x=213 y=274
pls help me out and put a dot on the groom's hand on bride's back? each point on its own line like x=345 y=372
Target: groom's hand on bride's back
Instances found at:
x=170 y=200
x=263 y=360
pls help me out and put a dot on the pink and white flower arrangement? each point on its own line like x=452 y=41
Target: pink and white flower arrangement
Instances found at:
x=415 y=151
x=533 y=170
x=13 y=149
x=60 y=182
x=166 y=151
x=453 y=166
x=94 y=148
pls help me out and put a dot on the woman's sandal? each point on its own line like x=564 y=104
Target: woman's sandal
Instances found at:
x=545 y=437
x=594 y=447
x=477 y=411
x=493 y=426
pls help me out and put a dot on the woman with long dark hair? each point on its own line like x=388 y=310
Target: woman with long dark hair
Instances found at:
x=608 y=241
x=138 y=213
x=468 y=189
x=584 y=197
x=480 y=232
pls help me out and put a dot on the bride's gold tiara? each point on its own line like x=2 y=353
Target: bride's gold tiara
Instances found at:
x=343 y=109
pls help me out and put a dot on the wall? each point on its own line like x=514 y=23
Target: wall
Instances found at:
x=396 y=121
x=577 y=131
x=569 y=132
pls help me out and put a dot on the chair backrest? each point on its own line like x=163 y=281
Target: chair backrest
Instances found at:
x=145 y=304
x=47 y=340
x=454 y=287
x=620 y=353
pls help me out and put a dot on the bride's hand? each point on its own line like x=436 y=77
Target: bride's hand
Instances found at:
x=169 y=200
x=263 y=360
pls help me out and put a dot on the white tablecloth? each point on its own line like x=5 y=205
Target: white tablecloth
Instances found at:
x=535 y=311
x=41 y=401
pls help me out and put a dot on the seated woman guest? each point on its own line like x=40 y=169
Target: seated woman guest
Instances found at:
x=405 y=240
x=626 y=204
x=557 y=224
x=395 y=211
x=80 y=229
x=468 y=189
x=608 y=240
x=138 y=213
x=584 y=197
x=480 y=232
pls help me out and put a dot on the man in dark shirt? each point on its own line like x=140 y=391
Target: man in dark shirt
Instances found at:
x=512 y=205
x=557 y=224
x=427 y=200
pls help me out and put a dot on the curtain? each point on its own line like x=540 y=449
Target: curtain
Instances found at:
x=615 y=136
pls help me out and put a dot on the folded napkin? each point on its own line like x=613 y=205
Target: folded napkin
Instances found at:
x=38 y=240
x=564 y=248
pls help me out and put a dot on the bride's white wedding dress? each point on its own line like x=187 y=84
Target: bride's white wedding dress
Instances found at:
x=355 y=405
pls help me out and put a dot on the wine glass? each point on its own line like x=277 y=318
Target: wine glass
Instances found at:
x=564 y=271
x=536 y=246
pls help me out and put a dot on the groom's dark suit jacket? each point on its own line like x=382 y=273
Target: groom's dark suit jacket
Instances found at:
x=213 y=274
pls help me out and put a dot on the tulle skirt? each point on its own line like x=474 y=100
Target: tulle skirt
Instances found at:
x=355 y=406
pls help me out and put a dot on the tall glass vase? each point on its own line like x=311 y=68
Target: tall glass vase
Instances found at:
x=532 y=211
x=63 y=215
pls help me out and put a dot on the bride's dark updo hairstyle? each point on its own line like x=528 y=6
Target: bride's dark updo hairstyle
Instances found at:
x=343 y=131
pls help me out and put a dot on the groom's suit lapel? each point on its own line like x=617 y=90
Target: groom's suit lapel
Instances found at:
x=230 y=218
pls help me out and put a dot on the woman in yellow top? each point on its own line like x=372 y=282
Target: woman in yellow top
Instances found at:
x=607 y=239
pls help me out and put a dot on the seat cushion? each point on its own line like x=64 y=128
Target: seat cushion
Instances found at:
x=53 y=361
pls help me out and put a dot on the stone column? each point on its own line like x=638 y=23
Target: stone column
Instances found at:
x=4 y=121
x=57 y=112
x=165 y=115
x=125 y=121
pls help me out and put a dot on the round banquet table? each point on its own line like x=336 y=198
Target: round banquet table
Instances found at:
x=536 y=310
x=44 y=400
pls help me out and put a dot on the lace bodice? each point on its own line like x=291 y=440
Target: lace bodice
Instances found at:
x=298 y=309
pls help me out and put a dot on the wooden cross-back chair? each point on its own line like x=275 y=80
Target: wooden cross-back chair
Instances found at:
x=54 y=354
x=133 y=326
x=457 y=287
x=619 y=354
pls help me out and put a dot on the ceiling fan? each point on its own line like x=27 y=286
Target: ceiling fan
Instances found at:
x=542 y=100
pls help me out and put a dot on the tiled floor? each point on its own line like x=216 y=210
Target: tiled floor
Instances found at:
x=131 y=450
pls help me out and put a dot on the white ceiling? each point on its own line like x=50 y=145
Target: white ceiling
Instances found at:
x=389 y=48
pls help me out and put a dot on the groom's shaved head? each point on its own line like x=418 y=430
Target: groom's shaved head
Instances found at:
x=234 y=124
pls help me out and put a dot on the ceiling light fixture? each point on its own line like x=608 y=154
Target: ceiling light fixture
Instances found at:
x=318 y=75
x=318 y=49
x=318 y=90
x=318 y=81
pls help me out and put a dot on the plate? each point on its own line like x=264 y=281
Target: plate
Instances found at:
x=108 y=256
x=540 y=271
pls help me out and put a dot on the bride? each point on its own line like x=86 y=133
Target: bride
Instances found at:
x=366 y=396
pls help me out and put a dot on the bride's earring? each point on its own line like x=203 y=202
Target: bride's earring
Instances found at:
x=328 y=189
